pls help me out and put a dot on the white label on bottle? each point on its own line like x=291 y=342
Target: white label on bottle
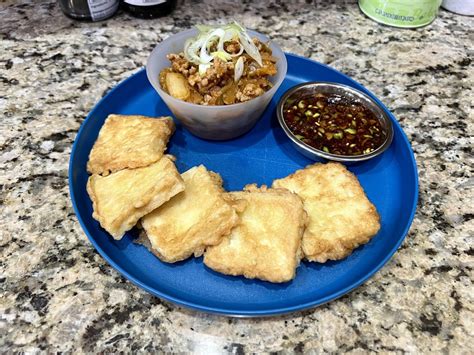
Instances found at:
x=101 y=9
x=145 y=2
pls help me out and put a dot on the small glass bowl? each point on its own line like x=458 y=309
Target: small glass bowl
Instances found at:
x=212 y=122
x=344 y=91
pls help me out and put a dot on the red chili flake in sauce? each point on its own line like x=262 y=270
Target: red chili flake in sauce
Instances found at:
x=334 y=124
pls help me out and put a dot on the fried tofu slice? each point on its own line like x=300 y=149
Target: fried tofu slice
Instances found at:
x=266 y=243
x=120 y=199
x=340 y=215
x=129 y=142
x=196 y=218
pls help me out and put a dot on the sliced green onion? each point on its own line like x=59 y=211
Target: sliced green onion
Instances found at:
x=216 y=34
x=197 y=49
x=222 y=55
x=250 y=47
x=239 y=69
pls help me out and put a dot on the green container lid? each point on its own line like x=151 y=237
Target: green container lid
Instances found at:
x=401 y=13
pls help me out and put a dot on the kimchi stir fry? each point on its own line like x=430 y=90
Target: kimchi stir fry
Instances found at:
x=220 y=66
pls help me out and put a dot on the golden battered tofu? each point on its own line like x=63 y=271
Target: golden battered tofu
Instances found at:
x=122 y=198
x=192 y=220
x=340 y=215
x=129 y=142
x=266 y=243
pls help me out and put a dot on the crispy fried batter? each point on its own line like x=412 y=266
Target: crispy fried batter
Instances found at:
x=129 y=142
x=340 y=216
x=122 y=198
x=192 y=220
x=266 y=243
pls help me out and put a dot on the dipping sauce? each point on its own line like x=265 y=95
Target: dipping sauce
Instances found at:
x=334 y=124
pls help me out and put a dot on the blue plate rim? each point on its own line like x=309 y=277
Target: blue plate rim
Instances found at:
x=243 y=313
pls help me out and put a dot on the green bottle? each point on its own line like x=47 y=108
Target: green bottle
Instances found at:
x=401 y=13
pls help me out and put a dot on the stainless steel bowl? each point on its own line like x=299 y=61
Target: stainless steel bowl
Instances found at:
x=348 y=93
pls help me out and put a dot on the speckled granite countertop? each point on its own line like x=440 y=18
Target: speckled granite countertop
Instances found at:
x=58 y=294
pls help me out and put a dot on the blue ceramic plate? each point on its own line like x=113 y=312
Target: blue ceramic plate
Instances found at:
x=260 y=156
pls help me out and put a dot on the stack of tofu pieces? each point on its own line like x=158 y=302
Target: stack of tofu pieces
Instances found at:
x=319 y=213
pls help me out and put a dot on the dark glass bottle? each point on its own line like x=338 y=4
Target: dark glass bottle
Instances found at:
x=89 y=10
x=149 y=8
